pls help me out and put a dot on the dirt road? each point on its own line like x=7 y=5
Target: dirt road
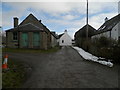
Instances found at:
x=66 y=69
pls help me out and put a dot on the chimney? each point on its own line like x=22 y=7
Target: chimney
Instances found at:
x=40 y=21
x=15 y=21
x=65 y=30
x=106 y=19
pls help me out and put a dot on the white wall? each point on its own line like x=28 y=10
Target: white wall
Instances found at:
x=115 y=33
x=106 y=34
x=67 y=40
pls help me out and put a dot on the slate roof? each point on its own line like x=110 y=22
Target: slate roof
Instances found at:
x=55 y=35
x=82 y=32
x=32 y=19
x=109 y=24
x=60 y=35
x=37 y=25
x=26 y=27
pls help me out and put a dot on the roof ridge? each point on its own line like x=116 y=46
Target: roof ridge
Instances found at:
x=108 y=25
x=28 y=17
x=27 y=24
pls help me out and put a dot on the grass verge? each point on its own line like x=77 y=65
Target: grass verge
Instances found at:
x=21 y=50
x=14 y=76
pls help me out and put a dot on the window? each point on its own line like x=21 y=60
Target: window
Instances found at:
x=62 y=41
x=15 y=36
x=119 y=39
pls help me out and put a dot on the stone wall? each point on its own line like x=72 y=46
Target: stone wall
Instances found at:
x=14 y=43
x=10 y=42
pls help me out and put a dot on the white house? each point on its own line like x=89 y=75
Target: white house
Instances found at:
x=65 y=39
x=110 y=29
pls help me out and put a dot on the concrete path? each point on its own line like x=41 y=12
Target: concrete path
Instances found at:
x=66 y=69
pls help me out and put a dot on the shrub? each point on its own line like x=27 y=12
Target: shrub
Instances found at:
x=101 y=47
x=116 y=54
x=107 y=48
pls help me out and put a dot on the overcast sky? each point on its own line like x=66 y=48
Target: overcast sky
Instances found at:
x=58 y=16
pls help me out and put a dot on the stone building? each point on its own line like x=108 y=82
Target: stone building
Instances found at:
x=54 y=38
x=30 y=33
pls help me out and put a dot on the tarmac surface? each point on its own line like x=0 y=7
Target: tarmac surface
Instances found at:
x=66 y=69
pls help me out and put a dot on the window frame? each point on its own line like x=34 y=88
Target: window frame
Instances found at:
x=15 y=36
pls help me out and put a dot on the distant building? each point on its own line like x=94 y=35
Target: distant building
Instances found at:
x=65 y=39
x=54 y=38
x=110 y=29
x=30 y=33
x=0 y=31
x=0 y=35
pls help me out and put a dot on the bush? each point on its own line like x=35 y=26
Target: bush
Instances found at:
x=116 y=54
x=107 y=48
x=87 y=45
x=101 y=47
x=105 y=42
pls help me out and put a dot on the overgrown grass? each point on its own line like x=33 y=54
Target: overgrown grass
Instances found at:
x=21 y=50
x=14 y=76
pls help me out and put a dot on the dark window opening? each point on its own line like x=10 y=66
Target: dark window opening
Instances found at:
x=15 y=36
x=62 y=41
x=119 y=39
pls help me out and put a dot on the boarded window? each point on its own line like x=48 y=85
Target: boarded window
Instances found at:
x=15 y=36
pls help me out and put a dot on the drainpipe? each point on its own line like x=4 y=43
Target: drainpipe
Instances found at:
x=18 y=37
x=110 y=38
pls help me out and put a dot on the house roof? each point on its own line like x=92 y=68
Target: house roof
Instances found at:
x=31 y=23
x=109 y=24
x=55 y=35
x=64 y=34
x=82 y=32
x=32 y=19
x=26 y=27
x=59 y=36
